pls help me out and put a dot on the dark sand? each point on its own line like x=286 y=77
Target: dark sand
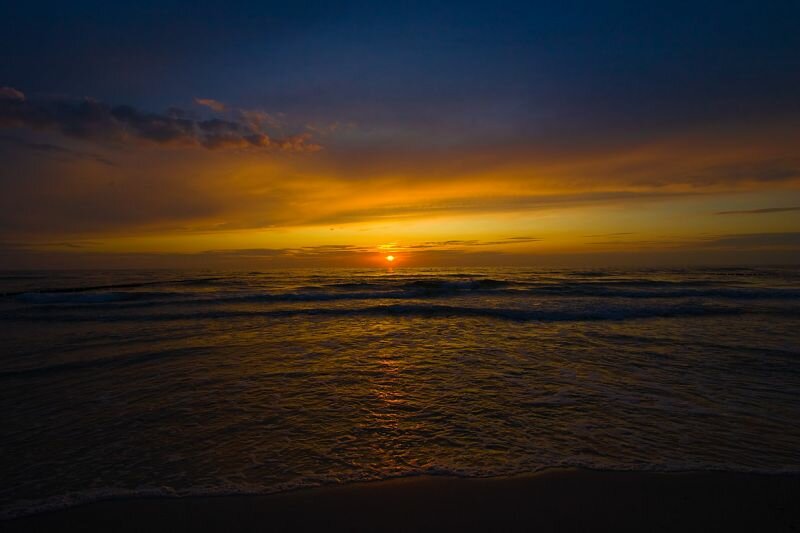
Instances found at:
x=563 y=500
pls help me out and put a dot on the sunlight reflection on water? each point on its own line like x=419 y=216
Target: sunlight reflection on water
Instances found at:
x=263 y=381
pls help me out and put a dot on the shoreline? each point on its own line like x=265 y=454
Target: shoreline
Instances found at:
x=551 y=500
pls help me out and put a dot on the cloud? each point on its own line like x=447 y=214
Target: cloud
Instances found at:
x=259 y=119
x=494 y=204
x=324 y=250
x=757 y=240
x=350 y=250
x=600 y=235
x=468 y=243
x=762 y=211
x=649 y=243
x=212 y=104
x=96 y=121
x=9 y=93
x=53 y=149
x=735 y=241
x=31 y=246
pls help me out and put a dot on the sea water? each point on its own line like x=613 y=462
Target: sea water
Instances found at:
x=127 y=383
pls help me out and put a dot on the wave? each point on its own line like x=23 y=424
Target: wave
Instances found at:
x=88 y=297
x=726 y=293
x=51 y=298
x=466 y=285
x=525 y=315
x=595 y=313
x=619 y=313
x=114 y=286
x=435 y=285
x=410 y=291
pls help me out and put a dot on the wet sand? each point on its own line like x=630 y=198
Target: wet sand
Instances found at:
x=557 y=500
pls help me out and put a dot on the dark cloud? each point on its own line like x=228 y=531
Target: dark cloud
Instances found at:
x=31 y=246
x=301 y=252
x=663 y=243
x=600 y=235
x=469 y=243
x=437 y=244
x=53 y=149
x=757 y=240
x=761 y=211
x=511 y=240
x=246 y=252
x=96 y=121
x=735 y=242
x=763 y=170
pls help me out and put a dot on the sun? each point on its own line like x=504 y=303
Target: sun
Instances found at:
x=390 y=258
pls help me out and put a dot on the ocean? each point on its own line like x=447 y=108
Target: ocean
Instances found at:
x=171 y=383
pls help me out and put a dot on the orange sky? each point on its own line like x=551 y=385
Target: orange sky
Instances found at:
x=312 y=136
x=694 y=198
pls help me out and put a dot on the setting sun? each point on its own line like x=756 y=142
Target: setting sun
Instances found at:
x=390 y=258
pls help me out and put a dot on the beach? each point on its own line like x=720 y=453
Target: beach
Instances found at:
x=556 y=500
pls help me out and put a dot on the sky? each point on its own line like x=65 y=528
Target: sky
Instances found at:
x=311 y=134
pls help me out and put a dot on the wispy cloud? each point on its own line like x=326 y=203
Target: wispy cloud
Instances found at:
x=735 y=241
x=468 y=243
x=606 y=235
x=96 y=121
x=757 y=240
x=494 y=204
x=210 y=103
x=762 y=211
x=54 y=149
x=301 y=252
x=9 y=93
